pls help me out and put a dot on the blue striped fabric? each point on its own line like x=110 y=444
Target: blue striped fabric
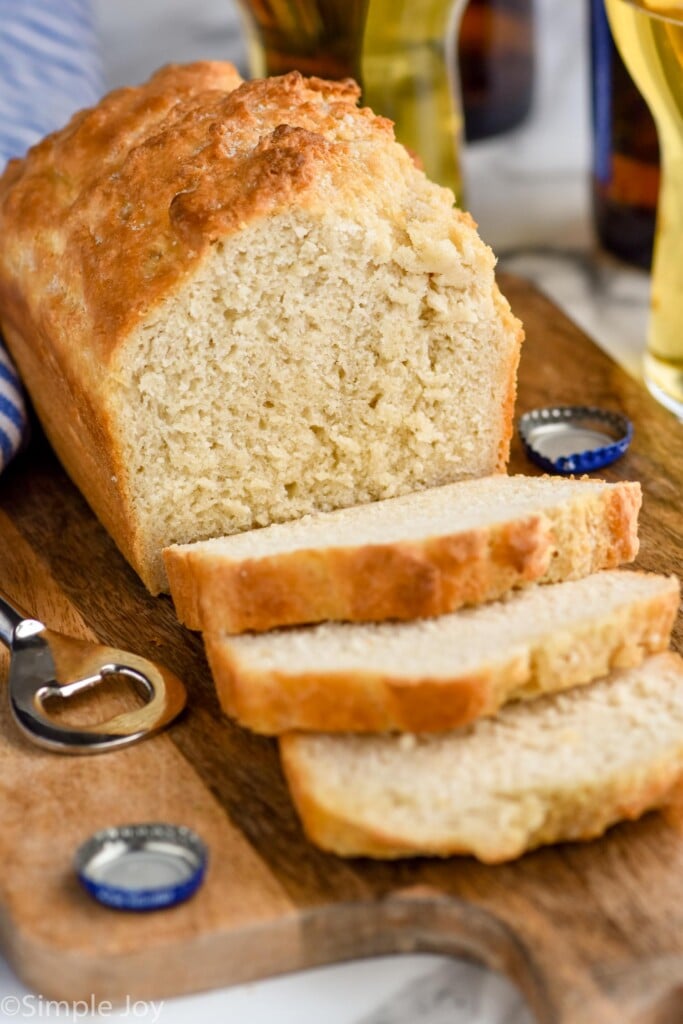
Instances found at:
x=49 y=68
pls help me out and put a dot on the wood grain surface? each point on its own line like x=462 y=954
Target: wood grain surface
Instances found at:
x=592 y=933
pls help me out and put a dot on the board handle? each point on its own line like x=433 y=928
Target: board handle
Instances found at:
x=565 y=990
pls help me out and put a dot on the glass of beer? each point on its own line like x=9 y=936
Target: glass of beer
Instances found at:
x=649 y=34
x=409 y=74
x=315 y=37
x=399 y=51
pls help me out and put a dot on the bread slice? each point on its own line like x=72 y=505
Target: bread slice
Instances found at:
x=423 y=554
x=437 y=674
x=564 y=767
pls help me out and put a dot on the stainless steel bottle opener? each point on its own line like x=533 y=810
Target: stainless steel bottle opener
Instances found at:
x=46 y=664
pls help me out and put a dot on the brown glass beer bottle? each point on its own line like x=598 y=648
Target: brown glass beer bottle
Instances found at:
x=625 y=179
x=496 y=59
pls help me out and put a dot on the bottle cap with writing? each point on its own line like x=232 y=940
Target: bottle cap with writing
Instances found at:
x=573 y=438
x=142 y=866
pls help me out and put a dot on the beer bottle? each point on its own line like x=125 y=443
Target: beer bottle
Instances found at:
x=625 y=179
x=496 y=59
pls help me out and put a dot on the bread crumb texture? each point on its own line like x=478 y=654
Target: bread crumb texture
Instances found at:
x=252 y=305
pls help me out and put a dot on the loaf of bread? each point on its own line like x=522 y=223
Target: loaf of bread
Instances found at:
x=422 y=554
x=437 y=674
x=563 y=767
x=235 y=304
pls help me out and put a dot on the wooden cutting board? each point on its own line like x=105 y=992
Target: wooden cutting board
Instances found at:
x=591 y=933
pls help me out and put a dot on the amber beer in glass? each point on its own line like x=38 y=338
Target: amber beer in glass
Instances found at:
x=316 y=37
x=398 y=51
x=649 y=34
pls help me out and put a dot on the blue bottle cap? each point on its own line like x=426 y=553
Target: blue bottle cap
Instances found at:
x=574 y=438
x=142 y=867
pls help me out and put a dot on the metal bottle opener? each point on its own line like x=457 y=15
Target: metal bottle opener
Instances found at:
x=46 y=664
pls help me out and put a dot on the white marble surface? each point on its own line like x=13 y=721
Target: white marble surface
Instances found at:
x=529 y=192
x=386 y=990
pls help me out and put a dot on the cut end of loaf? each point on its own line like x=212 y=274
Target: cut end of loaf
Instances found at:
x=306 y=368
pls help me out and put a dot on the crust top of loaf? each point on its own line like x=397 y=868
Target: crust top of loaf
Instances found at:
x=164 y=170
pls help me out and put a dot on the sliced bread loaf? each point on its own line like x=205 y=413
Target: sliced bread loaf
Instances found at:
x=234 y=304
x=435 y=674
x=424 y=554
x=564 y=767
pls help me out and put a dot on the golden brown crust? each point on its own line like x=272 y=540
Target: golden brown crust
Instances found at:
x=277 y=701
x=368 y=582
x=80 y=432
x=623 y=506
x=516 y=331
